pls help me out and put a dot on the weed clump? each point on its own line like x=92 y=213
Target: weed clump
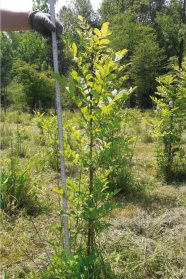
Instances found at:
x=6 y=135
x=16 y=188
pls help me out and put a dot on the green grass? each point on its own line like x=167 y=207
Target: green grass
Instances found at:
x=146 y=239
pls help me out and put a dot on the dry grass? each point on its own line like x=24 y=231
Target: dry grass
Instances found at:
x=148 y=246
x=27 y=243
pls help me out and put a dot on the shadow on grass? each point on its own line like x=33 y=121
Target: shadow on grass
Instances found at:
x=150 y=195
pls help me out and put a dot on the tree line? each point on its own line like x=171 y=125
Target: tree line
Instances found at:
x=153 y=32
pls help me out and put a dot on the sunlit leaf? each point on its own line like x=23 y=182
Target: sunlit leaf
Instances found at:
x=80 y=18
x=104 y=29
x=97 y=32
x=104 y=42
x=74 y=48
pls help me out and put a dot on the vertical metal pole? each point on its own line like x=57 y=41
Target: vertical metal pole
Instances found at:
x=60 y=132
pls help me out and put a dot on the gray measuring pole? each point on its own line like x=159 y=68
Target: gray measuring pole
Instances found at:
x=60 y=132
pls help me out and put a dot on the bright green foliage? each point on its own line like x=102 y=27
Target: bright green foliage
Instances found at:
x=38 y=87
x=170 y=123
x=93 y=146
x=153 y=32
x=99 y=79
x=96 y=88
x=110 y=9
x=69 y=18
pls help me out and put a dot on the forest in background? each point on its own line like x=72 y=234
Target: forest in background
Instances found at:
x=153 y=32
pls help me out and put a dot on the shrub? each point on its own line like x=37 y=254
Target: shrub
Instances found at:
x=170 y=122
x=17 y=191
x=96 y=88
x=37 y=86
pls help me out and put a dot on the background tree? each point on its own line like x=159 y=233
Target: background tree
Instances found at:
x=144 y=53
x=42 y=5
x=6 y=58
x=172 y=27
x=68 y=15
x=83 y=8
x=144 y=10
x=153 y=27
x=33 y=49
x=38 y=87
x=146 y=64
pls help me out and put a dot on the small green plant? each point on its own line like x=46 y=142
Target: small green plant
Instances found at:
x=47 y=125
x=170 y=122
x=146 y=136
x=6 y=136
x=17 y=190
x=96 y=87
x=19 y=137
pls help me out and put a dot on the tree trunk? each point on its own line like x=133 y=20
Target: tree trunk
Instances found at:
x=180 y=56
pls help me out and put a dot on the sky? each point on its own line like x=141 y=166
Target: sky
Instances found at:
x=26 y=5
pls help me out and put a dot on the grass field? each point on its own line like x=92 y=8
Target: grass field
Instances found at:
x=147 y=237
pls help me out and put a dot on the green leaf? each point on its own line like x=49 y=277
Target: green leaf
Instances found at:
x=74 y=49
x=95 y=95
x=75 y=76
x=61 y=78
x=80 y=18
x=72 y=88
x=88 y=77
x=106 y=110
x=97 y=32
x=104 y=42
x=58 y=191
x=84 y=110
x=104 y=29
x=117 y=98
x=120 y=54
x=97 y=88
x=79 y=33
x=86 y=261
x=101 y=70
